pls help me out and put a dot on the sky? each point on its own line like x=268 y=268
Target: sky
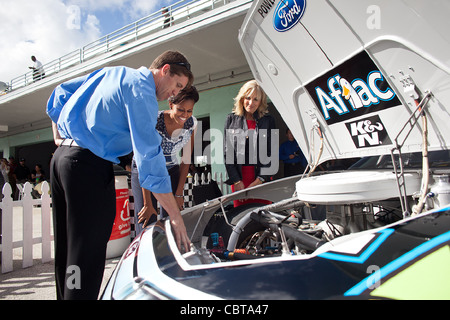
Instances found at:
x=49 y=29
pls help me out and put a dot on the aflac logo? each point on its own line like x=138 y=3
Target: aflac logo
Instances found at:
x=288 y=13
x=359 y=94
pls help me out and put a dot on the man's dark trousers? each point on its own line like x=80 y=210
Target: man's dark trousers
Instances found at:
x=83 y=201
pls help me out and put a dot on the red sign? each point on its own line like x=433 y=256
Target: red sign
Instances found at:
x=122 y=224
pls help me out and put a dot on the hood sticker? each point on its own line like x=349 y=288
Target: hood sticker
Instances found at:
x=288 y=13
x=353 y=89
x=368 y=132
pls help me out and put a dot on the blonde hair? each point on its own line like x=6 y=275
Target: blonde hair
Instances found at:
x=247 y=90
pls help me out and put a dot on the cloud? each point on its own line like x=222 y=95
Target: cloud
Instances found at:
x=138 y=7
x=47 y=29
x=130 y=9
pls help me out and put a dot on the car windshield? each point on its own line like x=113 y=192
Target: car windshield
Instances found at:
x=437 y=160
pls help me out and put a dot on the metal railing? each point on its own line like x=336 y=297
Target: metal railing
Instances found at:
x=153 y=23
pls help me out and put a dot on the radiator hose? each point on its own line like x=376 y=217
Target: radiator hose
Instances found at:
x=269 y=221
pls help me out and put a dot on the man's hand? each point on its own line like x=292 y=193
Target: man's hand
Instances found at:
x=168 y=202
x=179 y=230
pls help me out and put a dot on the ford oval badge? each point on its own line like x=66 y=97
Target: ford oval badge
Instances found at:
x=288 y=13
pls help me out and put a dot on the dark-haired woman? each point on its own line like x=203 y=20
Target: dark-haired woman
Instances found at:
x=176 y=127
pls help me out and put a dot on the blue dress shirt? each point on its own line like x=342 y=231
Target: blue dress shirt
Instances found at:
x=112 y=112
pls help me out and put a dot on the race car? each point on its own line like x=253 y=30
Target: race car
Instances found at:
x=351 y=79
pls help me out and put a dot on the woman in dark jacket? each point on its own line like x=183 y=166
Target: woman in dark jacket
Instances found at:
x=248 y=140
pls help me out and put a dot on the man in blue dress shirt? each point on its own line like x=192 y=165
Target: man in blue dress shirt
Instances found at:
x=96 y=119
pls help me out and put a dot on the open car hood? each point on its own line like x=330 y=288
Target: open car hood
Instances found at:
x=354 y=72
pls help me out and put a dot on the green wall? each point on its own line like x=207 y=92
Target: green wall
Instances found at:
x=8 y=144
x=217 y=103
x=214 y=103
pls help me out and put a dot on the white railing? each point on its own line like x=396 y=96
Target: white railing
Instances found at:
x=29 y=207
x=155 y=22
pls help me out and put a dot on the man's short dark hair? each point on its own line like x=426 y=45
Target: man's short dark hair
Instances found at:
x=179 y=65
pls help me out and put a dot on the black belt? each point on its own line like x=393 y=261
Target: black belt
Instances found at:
x=69 y=143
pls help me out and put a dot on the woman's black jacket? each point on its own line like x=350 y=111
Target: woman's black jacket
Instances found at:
x=250 y=147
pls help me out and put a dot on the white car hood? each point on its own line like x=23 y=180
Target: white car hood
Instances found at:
x=355 y=70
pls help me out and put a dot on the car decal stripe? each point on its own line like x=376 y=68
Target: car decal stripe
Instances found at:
x=364 y=255
x=398 y=263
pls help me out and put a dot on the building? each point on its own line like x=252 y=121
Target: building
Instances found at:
x=206 y=31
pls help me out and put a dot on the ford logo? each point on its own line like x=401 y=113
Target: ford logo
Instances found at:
x=288 y=13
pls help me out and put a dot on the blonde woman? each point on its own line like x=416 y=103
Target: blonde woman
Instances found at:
x=246 y=129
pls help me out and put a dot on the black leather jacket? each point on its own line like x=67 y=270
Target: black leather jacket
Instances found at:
x=250 y=147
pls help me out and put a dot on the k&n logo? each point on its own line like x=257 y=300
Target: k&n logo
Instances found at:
x=368 y=132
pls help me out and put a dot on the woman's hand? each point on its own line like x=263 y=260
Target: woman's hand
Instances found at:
x=257 y=182
x=180 y=202
x=239 y=186
x=145 y=214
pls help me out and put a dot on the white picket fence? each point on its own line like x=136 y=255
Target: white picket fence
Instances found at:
x=205 y=179
x=27 y=241
x=29 y=209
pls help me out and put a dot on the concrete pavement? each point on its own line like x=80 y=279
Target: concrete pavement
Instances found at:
x=38 y=282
